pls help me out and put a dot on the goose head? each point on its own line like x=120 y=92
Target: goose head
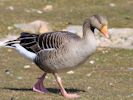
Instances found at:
x=99 y=22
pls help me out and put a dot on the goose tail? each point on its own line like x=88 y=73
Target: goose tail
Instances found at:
x=25 y=39
x=11 y=42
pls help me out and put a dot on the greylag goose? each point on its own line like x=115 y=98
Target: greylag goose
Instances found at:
x=54 y=52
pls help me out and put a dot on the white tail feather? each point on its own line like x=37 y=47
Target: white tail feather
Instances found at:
x=24 y=52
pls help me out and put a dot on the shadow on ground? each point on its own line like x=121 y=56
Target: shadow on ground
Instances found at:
x=51 y=90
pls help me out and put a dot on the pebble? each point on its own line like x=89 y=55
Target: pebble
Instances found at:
x=89 y=87
x=7 y=71
x=9 y=50
x=88 y=75
x=112 y=5
x=70 y=72
x=9 y=27
x=48 y=8
x=46 y=77
x=11 y=8
x=19 y=78
x=39 y=12
x=111 y=84
x=27 y=66
x=104 y=52
x=92 y=62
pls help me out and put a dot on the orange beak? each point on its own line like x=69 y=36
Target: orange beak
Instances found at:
x=105 y=32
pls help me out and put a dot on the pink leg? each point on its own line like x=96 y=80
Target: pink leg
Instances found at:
x=63 y=91
x=39 y=87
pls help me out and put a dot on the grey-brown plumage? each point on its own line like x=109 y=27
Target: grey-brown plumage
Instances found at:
x=61 y=51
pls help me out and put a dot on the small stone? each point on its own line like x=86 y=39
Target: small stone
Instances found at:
x=19 y=78
x=92 y=62
x=111 y=84
x=88 y=75
x=7 y=72
x=11 y=8
x=112 y=5
x=70 y=72
x=39 y=11
x=48 y=8
x=46 y=77
x=89 y=87
x=9 y=50
x=27 y=66
x=9 y=27
x=104 y=51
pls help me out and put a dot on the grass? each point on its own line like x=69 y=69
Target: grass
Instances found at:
x=110 y=77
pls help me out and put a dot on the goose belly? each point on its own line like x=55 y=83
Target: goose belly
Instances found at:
x=64 y=61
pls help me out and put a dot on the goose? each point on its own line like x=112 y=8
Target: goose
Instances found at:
x=60 y=51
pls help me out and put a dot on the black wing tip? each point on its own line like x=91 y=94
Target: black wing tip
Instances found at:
x=11 y=42
x=26 y=34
